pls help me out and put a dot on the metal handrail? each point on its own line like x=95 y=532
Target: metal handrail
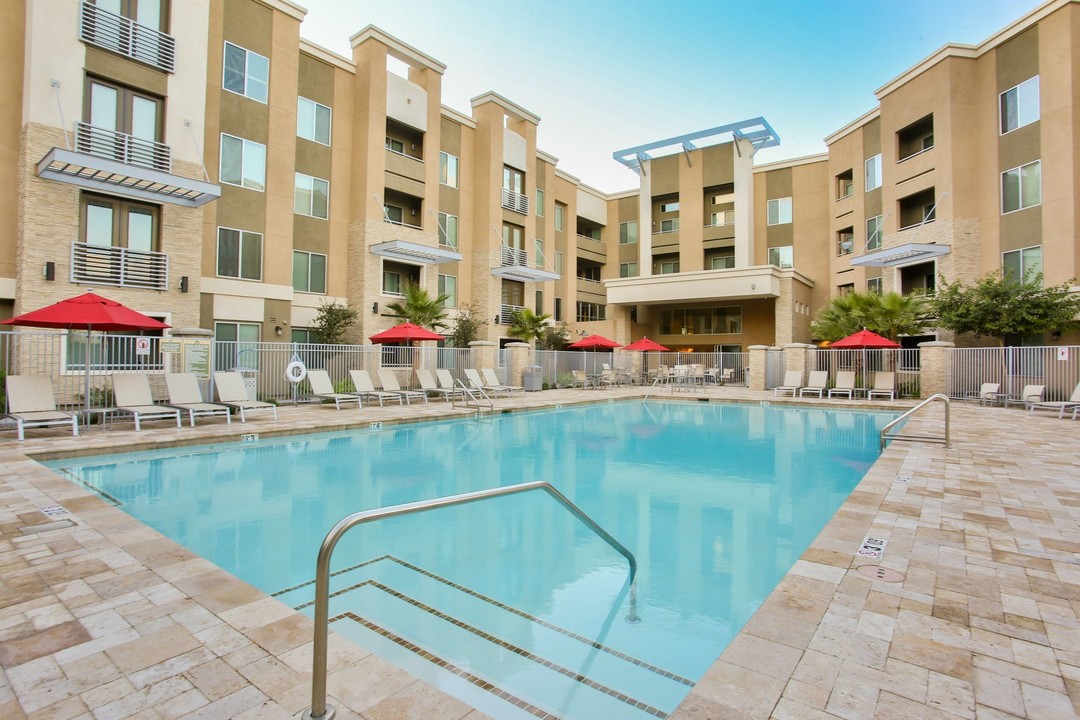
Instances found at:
x=885 y=435
x=319 y=709
x=468 y=393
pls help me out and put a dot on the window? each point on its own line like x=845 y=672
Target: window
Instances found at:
x=448 y=230
x=1021 y=187
x=701 y=321
x=558 y=309
x=300 y=336
x=513 y=180
x=668 y=226
x=874 y=231
x=722 y=262
x=448 y=169
x=628 y=269
x=308 y=272
x=918 y=208
x=588 y=312
x=780 y=211
x=391 y=282
x=781 y=257
x=628 y=232
x=724 y=217
x=312 y=121
x=845 y=184
x=394 y=214
x=845 y=241
x=1020 y=263
x=448 y=287
x=239 y=254
x=588 y=272
x=246 y=73
x=233 y=340
x=669 y=207
x=311 y=196
x=560 y=217
x=395 y=275
x=668 y=267
x=845 y=289
x=394 y=145
x=243 y=163
x=558 y=261
x=915 y=138
x=873 y=173
x=538 y=253
x=112 y=222
x=1020 y=105
x=539 y=307
x=513 y=236
x=539 y=202
x=118 y=109
x=873 y=285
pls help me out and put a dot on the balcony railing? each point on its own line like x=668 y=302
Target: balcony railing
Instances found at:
x=506 y=313
x=119 y=267
x=514 y=257
x=122 y=147
x=127 y=37
x=515 y=201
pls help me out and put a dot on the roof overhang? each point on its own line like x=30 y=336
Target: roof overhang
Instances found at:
x=415 y=252
x=902 y=255
x=117 y=178
x=758 y=282
x=755 y=130
x=522 y=273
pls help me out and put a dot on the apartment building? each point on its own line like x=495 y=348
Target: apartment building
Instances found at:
x=206 y=164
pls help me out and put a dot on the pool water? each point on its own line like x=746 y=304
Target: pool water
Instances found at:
x=512 y=604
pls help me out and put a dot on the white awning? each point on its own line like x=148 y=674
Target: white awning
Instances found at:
x=415 y=252
x=902 y=255
x=523 y=273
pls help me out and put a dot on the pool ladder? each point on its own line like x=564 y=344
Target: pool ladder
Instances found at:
x=319 y=710
x=887 y=434
x=472 y=395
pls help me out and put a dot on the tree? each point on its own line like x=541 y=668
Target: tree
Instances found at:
x=467 y=326
x=888 y=314
x=554 y=338
x=332 y=322
x=418 y=307
x=1000 y=307
x=525 y=325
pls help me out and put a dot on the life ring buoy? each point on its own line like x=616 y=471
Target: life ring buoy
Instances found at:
x=295 y=372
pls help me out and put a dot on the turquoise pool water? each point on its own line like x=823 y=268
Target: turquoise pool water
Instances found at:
x=512 y=604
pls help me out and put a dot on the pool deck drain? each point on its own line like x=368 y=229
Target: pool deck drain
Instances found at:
x=108 y=619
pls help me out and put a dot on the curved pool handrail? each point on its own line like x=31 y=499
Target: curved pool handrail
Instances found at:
x=319 y=709
x=886 y=433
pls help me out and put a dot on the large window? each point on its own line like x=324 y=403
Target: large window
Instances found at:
x=448 y=169
x=781 y=257
x=874 y=285
x=243 y=163
x=628 y=232
x=588 y=312
x=874 y=232
x=873 y=173
x=701 y=321
x=448 y=287
x=119 y=109
x=246 y=73
x=513 y=180
x=311 y=196
x=780 y=211
x=560 y=217
x=1021 y=187
x=628 y=269
x=669 y=267
x=395 y=275
x=312 y=121
x=448 y=230
x=1019 y=263
x=112 y=222
x=309 y=272
x=236 y=344
x=722 y=262
x=1020 y=105
x=239 y=254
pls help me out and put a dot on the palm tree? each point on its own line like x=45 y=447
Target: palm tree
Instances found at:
x=888 y=314
x=527 y=326
x=418 y=307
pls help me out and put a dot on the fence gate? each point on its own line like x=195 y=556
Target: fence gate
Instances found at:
x=774 y=368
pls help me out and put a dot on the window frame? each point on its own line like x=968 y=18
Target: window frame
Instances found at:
x=247 y=73
x=450 y=302
x=626 y=267
x=244 y=143
x=878 y=178
x=560 y=217
x=1021 y=252
x=779 y=251
x=780 y=204
x=1020 y=187
x=310 y=255
x=539 y=202
x=624 y=232
x=444 y=230
x=879 y=232
x=1002 y=115
x=121 y=209
x=297 y=177
x=446 y=163
x=315 y=120
x=875 y=285
x=239 y=255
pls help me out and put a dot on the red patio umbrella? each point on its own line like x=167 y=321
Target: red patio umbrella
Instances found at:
x=593 y=342
x=644 y=344
x=405 y=332
x=865 y=340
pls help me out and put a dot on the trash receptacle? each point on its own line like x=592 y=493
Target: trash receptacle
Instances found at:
x=533 y=378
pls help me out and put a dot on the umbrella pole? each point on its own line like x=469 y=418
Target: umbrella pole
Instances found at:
x=86 y=375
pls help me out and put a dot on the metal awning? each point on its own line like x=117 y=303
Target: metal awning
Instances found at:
x=756 y=130
x=523 y=273
x=117 y=178
x=415 y=252
x=902 y=255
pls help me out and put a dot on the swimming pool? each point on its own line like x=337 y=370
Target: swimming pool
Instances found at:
x=512 y=604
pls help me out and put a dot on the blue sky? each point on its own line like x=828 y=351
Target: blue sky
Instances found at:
x=607 y=74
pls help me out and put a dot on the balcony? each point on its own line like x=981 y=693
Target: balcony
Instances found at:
x=506 y=313
x=515 y=201
x=126 y=37
x=514 y=265
x=122 y=147
x=119 y=267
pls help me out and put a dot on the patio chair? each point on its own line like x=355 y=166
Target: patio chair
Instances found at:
x=184 y=393
x=131 y=393
x=31 y=403
x=581 y=380
x=1032 y=394
x=988 y=394
x=231 y=391
x=390 y=384
x=1060 y=405
x=430 y=385
x=817 y=384
x=361 y=380
x=446 y=382
x=323 y=387
x=477 y=383
x=792 y=383
x=845 y=384
x=884 y=386
x=492 y=380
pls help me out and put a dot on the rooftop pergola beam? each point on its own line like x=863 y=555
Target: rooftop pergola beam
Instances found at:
x=756 y=130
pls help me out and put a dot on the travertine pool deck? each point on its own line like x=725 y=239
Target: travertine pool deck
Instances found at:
x=105 y=618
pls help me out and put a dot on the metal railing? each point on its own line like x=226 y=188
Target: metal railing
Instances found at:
x=515 y=201
x=506 y=313
x=128 y=149
x=471 y=394
x=887 y=434
x=119 y=267
x=512 y=257
x=127 y=37
x=1055 y=368
x=319 y=709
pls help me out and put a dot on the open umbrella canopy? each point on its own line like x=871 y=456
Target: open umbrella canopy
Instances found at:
x=864 y=340
x=593 y=342
x=405 y=332
x=88 y=311
x=644 y=344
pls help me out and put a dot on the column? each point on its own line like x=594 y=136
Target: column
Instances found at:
x=758 y=360
x=933 y=363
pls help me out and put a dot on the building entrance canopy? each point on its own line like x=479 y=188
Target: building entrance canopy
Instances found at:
x=902 y=255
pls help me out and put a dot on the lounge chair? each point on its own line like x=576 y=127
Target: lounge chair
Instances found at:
x=131 y=394
x=884 y=386
x=988 y=394
x=1060 y=405
x=792 y=383
x=389 y=383
x=1031 y=394
x=429 y=384
x=845 y=384
x=477 y=383
x=446 y=381
x=323 y=387
x=361 y=380
x=31 y=403
x=817 y=384
x=231 y=391
x=184 y=393
x=491 y=380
